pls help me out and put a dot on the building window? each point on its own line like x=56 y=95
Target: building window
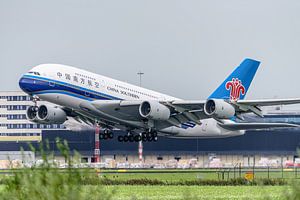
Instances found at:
x=33 y=126
x=19 y=134
x=19 y=98
x=16 y=107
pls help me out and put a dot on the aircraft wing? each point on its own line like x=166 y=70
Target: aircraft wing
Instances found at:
x=254 y=105
x=188 y=105
x=269 y=102
x=181 y=111
x=194 y=110
x=127 y=112
x=186 y=110
x=199 y=105
x=256 y=126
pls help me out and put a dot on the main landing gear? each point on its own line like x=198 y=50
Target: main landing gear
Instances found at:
x=106 y=134
x=145 y=137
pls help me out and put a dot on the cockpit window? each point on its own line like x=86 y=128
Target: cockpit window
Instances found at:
x=35 y=73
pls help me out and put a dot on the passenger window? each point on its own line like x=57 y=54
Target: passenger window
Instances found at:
x=102 y=83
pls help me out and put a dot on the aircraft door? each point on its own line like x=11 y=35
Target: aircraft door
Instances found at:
x=87 y=94
x=51 y=83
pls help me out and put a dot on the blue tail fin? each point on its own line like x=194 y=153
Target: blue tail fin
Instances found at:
x=235 y=87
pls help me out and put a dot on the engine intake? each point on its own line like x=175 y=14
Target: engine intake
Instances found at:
x=31 y=113
x=218 y=108
x=154 y=110
x=51 y=115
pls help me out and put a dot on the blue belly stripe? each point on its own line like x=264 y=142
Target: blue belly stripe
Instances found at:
x=63 y=92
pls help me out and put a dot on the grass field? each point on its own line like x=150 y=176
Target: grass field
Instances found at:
x=198 y=192
x=191 y=192
x=168 y=192
x=178 y=192
x=187 y=175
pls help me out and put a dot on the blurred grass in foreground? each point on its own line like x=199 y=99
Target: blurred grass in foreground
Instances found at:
x=45 y=182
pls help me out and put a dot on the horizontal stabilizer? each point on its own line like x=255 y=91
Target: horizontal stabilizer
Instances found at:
x=256 y=126
x=269 y=102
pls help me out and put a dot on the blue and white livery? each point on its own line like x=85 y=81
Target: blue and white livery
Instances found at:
x=98 y=100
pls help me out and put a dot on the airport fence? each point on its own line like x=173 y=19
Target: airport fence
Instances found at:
x=251 y=173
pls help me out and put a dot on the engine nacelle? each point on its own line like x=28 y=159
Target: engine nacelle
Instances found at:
x=51 y=115
x=219 y=108
x=31 y=113
x=154 y=110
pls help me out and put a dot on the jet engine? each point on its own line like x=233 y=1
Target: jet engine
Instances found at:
x=154 y=110
x=218 y=108
x=51 y=115
x=31 y=113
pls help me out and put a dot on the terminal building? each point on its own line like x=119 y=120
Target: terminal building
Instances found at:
x=273 y=146
x=14 y=127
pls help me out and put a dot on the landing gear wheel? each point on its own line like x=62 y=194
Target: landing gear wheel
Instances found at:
x=149 y=139
x=144 y=138
x=149 y=134
x=131 y=138
x=154 y=134
x=144 y=134
x=110 y=135
x=126 y=138
x=105 y=137
x=137 y=138
x=155 y=139
x=121 y=138
x=101 y=136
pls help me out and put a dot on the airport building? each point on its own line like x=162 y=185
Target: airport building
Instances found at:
x=13 y=123
x=269 y=147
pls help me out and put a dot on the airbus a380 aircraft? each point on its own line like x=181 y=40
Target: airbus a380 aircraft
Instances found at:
x=98 y=100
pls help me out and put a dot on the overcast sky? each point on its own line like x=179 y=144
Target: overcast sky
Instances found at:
x=185 y=48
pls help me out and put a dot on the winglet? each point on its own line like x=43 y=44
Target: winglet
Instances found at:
x=235 y=87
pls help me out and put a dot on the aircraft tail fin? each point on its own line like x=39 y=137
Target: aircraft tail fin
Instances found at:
x=236 y=85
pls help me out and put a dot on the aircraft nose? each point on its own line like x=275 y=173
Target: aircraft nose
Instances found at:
x=25 y=85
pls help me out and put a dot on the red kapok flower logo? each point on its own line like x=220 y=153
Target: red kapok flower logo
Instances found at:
x=236 y=89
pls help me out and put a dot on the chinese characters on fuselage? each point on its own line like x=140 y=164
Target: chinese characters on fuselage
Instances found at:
x=93 y=83
x=80 y=80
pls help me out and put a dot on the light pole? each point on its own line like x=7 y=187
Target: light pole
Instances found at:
x=140 y=75
x=140 y=148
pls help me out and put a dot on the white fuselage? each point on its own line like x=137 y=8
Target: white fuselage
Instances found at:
x=70 y=87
